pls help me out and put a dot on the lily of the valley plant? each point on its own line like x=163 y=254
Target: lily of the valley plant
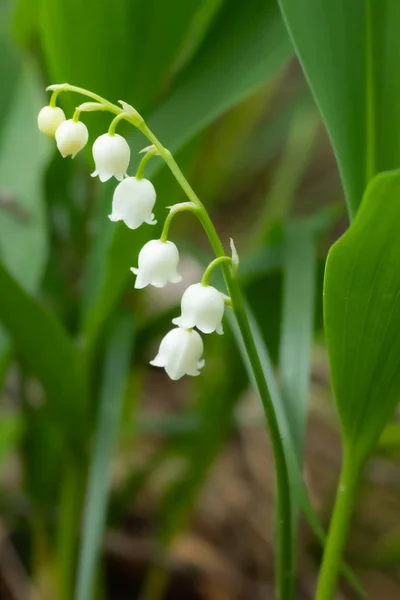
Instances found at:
x=202 y=307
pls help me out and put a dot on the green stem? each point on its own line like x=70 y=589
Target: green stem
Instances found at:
x=66 y=87
x=53 y=99
x=76 y=115
x=177 y=208
x=285 y=555
x=345 y=497
x=217 y=261
x=114 y=123
x=143 y=163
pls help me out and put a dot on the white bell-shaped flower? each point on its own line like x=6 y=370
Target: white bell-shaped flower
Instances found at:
x=71 y=137
x=49 y=119
x=202 y=306
x=180 y=353
x=158 y=263
x=133 y=202
x=111 y=155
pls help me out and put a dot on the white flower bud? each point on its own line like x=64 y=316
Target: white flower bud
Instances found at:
x=203 y=307
x=158 y=263
x=133 y=202
x=71 y=137
x=180 y=353
x=49 y=119
x=111 y=155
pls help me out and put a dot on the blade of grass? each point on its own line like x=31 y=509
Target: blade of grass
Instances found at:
x=112 y=393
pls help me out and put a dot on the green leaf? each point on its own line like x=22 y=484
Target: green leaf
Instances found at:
x=47 y=351
x=349 y=52
x=90 y=44
x=159 y=43
x=295 y=161
x=23 y=157
x=362 y=316
x=242 y=51
x=116 y=368
x=299 y=270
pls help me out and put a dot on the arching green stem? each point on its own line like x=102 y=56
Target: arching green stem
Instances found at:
x=143 y=163
x=177 y=208
x=114 y=123
x=53 y=98
x=215 y=263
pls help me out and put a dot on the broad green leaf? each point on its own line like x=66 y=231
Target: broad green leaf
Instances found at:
x=362 y=316
x=47 y=351
x=23 y=157
x=90 y=44
x=349 y=52
x=244 y=49
x=116 y=368
x=299 y=272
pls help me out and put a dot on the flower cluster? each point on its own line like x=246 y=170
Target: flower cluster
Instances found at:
x=202 y=306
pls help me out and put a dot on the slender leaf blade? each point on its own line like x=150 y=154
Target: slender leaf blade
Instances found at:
x=116 y=368
x=299 y=271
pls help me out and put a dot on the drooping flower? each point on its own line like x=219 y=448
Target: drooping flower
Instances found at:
x=71 y=137
x=180 y=353
x=202 y=306
x=133 y=202
x=158 y=263
x=111 y=155
x=49 y=119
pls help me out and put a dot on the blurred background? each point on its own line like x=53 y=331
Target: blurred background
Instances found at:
x=116 y=483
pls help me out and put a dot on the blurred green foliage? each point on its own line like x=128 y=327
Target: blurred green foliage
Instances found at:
x=212 y=79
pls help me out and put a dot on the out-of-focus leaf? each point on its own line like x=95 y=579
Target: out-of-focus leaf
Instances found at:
x=11 y=429
x=23 y=157
x=116 y=368
x=244 y=49
x=90 y=44
x=299 y=273
x=349 y=52
x=9 y=64
x=48 y=352
x=295 y=160
x=158 y=43
x=362 y=317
